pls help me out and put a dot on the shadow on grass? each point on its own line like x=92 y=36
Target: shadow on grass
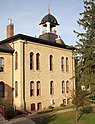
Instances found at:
x=44 y=119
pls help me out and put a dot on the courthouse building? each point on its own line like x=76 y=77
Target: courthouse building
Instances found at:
x=36 y=73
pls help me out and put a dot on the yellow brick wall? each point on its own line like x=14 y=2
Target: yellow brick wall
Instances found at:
x=6 y=77
x=44 y=75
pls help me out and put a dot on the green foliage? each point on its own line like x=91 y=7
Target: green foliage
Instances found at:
x=10 y=113
x=62 y=105
x=85 y=58
x=85 y=48
x=86 y=110
x=50 y=107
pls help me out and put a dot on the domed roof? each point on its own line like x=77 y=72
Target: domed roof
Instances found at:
x=49 y=18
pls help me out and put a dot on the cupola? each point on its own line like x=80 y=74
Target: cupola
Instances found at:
x=49 y=27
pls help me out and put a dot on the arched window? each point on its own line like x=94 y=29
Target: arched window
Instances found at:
x=51 y=88
x=67 y=86
x=63 y=87
x=31 y=61
x=38 y=88
x=62 y=63
x=16 y=60
x=1 y=64
x=67 y=64
x=37 y=61
x=51 y=63
x=31 y=88
x=16 y=89
x=1 y=89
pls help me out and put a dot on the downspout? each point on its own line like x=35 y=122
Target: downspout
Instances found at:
x=24 y=76
x=13 y=77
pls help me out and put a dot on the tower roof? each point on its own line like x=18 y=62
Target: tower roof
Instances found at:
x=49 y=18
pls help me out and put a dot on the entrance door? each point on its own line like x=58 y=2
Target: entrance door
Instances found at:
x=39 y=106
x=32 y=106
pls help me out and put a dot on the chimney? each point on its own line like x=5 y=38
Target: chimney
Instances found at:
x=10 y=28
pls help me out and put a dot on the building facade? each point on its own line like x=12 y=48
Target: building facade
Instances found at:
x=36 y=73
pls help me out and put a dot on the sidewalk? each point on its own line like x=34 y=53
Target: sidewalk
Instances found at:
x=21 y=120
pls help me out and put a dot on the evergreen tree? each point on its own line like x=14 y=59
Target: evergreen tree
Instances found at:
x=85 y=48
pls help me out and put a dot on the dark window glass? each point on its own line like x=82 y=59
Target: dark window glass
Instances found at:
x=31 y=61
x=51 y=63
x=1 y=90
x=31 y=88
x=67 y=86
x=38 y=88
x=63 y=87
x=1 y=64
x=67 y=66
x=51 y=88
x=16 y=60
x=37 y=61
x=62 y=63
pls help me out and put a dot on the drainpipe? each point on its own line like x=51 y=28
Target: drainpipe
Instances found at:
x=13 y=77
x=24 y=76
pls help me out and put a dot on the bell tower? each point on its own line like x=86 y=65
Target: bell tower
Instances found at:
x=49 y=27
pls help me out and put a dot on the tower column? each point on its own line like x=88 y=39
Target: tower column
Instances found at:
x=48 y=27
x=41 y=29
x=57 y=27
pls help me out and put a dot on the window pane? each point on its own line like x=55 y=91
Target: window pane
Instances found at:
x=63 y=87
x=38 y=88
x=67 y=68
x=1 y=64
x=31 y=60
x=51 y=63
x=51 y=88
x=37 y=61
x=62 y=63
x=16 y=60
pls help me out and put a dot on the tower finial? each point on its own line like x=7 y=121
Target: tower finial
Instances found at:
x=10 y=20
x=48 y=9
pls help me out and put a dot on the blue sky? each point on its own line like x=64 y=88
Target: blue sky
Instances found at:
x=27 y=14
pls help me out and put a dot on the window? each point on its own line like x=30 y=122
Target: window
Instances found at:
x=37 y=61
x=31 y=88
x=38 y=88
x=51 y=63
x=31 y=61
x=67 y=67
x=16 y=89
x=1 y=89
x=1 y=64
x=62 y=63
x=16 y=60
x=67 y=86
x=51 y=88
x=63 y=87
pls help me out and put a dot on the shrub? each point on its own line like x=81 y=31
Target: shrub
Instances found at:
x=10 y=113
x=86 y=110
x=62 y=105
x=50 y=107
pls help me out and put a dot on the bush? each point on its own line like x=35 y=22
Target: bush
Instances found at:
x=86 y=110
x=10 y=113
x=50 y=107
x=62 y=105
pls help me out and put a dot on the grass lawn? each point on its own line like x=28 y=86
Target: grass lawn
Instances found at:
x=68 y=118
x=55 y=109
